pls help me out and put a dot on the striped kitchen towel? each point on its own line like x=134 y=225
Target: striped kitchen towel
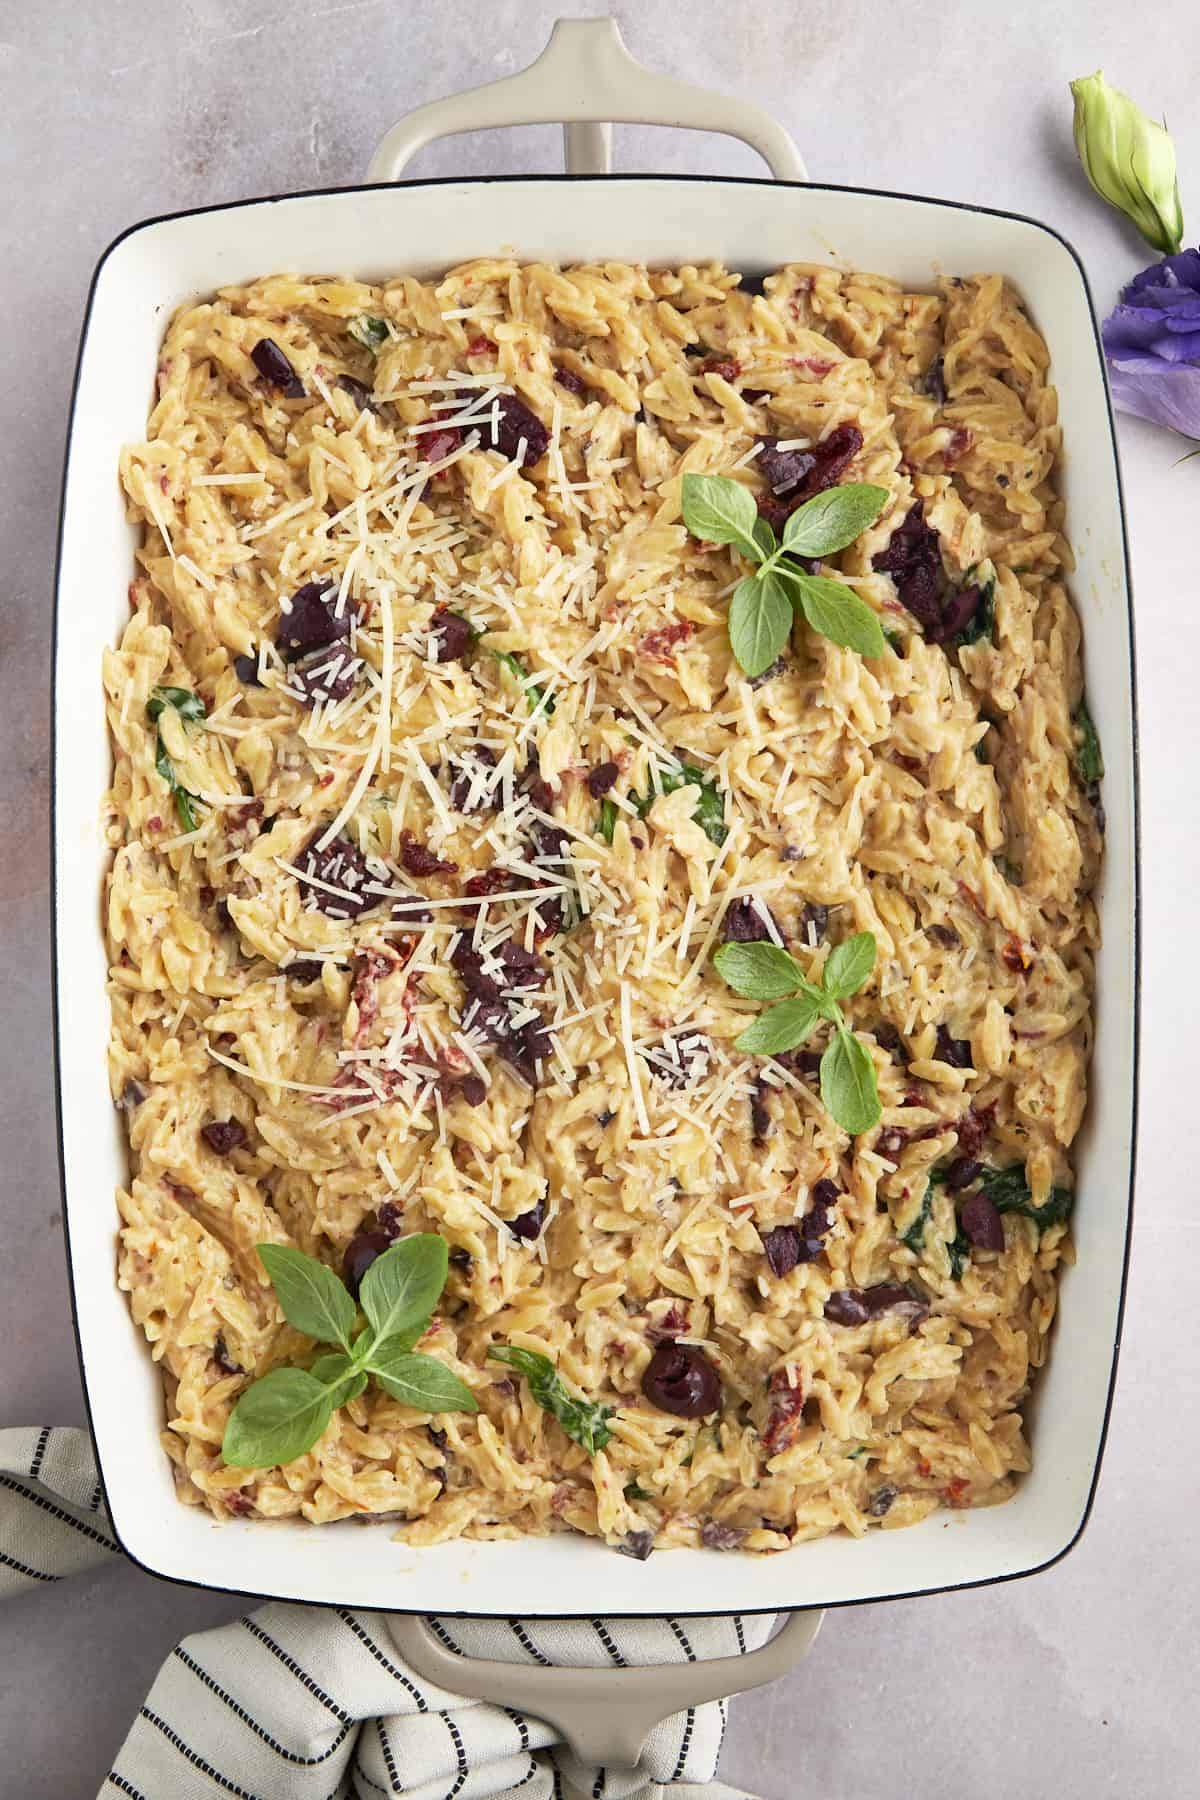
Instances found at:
x=312 y=1703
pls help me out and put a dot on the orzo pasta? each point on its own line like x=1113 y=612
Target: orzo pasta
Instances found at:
x=436 y=787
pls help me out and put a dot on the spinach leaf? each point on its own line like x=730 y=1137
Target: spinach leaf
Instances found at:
x=608 y=820
x=191 y=707
x=1088 y=759
x=1008 y=1191
x=537 y=697
x=582 y=1420
x=959 y=1252
x=914 y=1237
x=710 y=807
x=371 y=333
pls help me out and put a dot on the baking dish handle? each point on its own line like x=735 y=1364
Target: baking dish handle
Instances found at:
x=604 y=1715
x=585 y=78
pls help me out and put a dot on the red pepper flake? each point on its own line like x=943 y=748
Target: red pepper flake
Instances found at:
x=924 y=1468
x=816 y=365
x=480 y=345
x=972 y=899
x=133 y=596
x=660 y=645
x=1016 y=956
x=961 y=440
x=326 y=778
x=154 y=823
x=164 y=484
x=726 y=367
x=954 y=1492
x=238 y=1504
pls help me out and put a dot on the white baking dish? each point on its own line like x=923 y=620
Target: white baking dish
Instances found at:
x=425 y=226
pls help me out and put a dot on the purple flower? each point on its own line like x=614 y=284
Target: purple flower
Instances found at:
x=1152 y=342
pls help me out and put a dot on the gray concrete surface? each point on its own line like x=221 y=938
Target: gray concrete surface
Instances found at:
x=1074 y=1684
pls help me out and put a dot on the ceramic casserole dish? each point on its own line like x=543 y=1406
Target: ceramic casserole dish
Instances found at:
x=425 y=226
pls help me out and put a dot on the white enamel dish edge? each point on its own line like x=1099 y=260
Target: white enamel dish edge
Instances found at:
x=425 y=227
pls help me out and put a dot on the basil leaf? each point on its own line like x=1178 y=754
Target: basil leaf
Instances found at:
x=608 y=820
x=421 y=1382
x=710 y=807
x=582 y=1420
x=759 y=971
x=536 y=696
x=780 y=1028
x=1088 y=760
x=188 y=705
x=836 y=612
x=848 y=965
x=764 y=537
x=276 y=1420
x=185 y=810
x=371 y=333
x=721 y=512
x=401 y=1287
x=760 y=622
x=340 y=1375
x=312 y=1297
x=831 y=520
x=1008 y=1191
x=848 y=1083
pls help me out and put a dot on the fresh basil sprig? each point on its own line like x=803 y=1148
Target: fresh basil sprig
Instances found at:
x=283 y=1415
x=371 y=333
x=765 y=603
x=582 y=1420
x=765 y=972
x=190 y=707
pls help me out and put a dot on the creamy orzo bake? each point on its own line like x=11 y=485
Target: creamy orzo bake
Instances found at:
x=436 y=787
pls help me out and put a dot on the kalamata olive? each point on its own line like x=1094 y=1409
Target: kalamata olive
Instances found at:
x=638 y=1544
x=981 y=1223
x=760 y=1112
x=745 y=922
x=465 y=781
x=960 y=608
x=341 y=866
x=312 y=620
x=601 y=779
x=222 y=1357
x=854 y=1306
x=326 y=676
x=509 y=427
x=952 y=1050
x=368 y=1243
x=782 y=1247
x=568 y=379
x=815 y=916
x=794 y=476
x=753 y=284
x=881 y=1500
x=223 y=1135
x=473 y=1089
x=524 y=968
x=945 y=935
x=974 y=1128
x=276 y=368
x=358 y=391
x=715 y=1536
x=246 y=670
x=961 y=1174
x=529 y=1224
x=933 y=382
x=132 y=1095
x=452 y=635
x=680 y=1379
